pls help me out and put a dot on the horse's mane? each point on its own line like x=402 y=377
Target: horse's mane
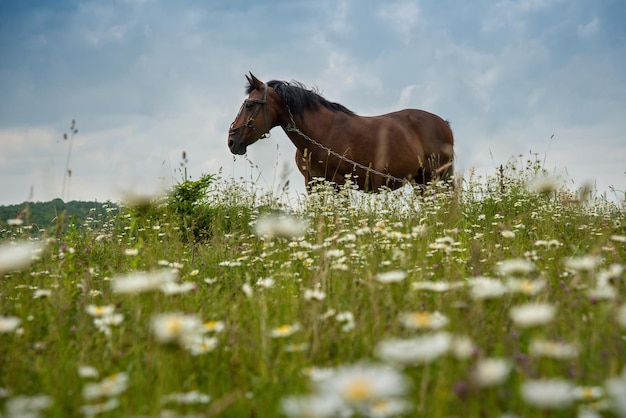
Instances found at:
x=299 y=99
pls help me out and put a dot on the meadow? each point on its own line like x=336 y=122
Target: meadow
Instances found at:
x=504 y=297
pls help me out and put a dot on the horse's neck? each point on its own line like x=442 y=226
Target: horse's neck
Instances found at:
x=315 y=127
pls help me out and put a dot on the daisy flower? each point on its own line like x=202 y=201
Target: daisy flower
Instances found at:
x=491 y=371
x=585 y=263
x=88 y=372
x=284 y=226
x=18 y=255
x=9 y=324
x=314 y=294
x=616 y=388
x=364 y=383
x=515 y=267
x=417 y=350
x=26 y=406
x=438 y=287
x=172 y=288
x=213 y=326
x=507 y=234
x=552 y=349
x=285 y=330
x=99 y=408
x=391 y=276
x=526 y=286
x=548 y=393
x=198 y=344
x=176 y=328
x=531 y=314
x=486 y=288
x=187 y=398
x=98 y=311
x=544 y=185
x=108 y=387
x=41 y=293
x=424 y=320
x=314 y=406
x=140 y=282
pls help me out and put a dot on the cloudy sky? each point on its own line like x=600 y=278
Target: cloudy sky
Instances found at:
x=146 y=80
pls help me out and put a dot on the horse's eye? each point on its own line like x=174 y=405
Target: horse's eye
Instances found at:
x=249 y=105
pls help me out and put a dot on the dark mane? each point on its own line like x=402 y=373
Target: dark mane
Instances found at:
x=299 y=98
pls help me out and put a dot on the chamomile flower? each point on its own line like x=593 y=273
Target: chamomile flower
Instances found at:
x=285 y=330
x=140 y=282
x=412 y=351
x=532 y=314
x=391 y=276
x=507 y=234
x=313 y=406
x=107 y=387
x=552 y=349
x=424 y=320
x=526 y=286
x=515 y=267
x=88 y=372
x=284 y=226
x=99 y=408
x=198 y=344
x=213 y=326
x=385 y=408
x=9 y=324
x=486 y=288
x=173 y=288
x=438 y=287
x=364 y=383
x=491 y=371
x=19 y=255
x=99 y=311
x=187 y=398
x=27 y=406
x=544 y=185
x=586 y=263
x=314 y=294
x=176 y=328
x=41 y=293
x=616 y=388
x=548 y=393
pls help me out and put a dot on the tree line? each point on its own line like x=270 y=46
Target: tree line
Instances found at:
x=46 y=215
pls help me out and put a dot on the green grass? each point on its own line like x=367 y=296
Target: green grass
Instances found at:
x=350 y=238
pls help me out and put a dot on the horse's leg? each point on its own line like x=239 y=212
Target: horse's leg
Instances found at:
x=303 y=161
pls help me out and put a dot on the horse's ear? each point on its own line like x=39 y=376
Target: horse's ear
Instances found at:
x=254 y=81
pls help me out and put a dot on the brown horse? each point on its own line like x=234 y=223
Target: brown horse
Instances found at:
x=334 y=143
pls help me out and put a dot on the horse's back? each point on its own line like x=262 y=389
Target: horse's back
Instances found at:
x=433 y=132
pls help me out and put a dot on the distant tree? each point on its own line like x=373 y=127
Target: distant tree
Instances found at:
x=47 y=215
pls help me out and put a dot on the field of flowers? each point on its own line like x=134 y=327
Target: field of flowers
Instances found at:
x=503 y=297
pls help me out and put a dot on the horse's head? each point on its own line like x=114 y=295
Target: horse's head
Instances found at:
x=251 y=124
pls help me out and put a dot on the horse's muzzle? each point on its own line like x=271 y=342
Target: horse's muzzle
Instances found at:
x=236 y=147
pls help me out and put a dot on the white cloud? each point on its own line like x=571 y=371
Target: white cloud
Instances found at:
x=401 y=17
x=589 y=29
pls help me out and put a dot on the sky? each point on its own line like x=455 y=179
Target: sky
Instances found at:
x=146 y=80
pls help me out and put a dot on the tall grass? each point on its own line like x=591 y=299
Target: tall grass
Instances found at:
x=297 y=321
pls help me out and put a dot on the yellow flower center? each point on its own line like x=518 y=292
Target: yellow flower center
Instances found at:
x=421 y=319
x=358 y=390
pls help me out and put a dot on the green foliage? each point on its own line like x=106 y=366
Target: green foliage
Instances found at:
x=349 y=240
x=44 y=216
